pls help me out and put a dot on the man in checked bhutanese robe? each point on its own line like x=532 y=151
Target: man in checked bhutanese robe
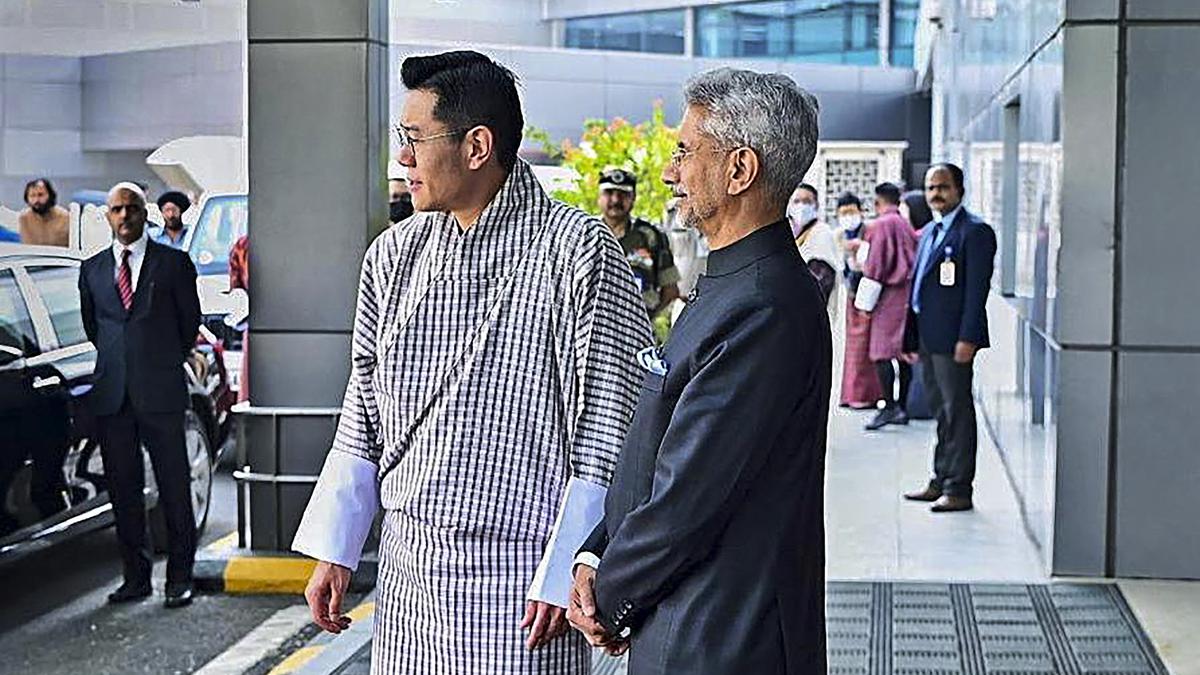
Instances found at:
x=493 y=377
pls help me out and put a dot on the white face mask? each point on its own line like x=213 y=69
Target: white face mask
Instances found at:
x=800 y=214
x=849 y=222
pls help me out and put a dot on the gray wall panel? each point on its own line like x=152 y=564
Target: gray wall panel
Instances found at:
x=31 y=68
x=1081 y=471
x=554 y=66
x=862 y=116
x=1164 y=9
x=1085 y=266
x=1158 y=466
x=298 y=369
x=1161 y=171
x=41 y=105
x=1083 y=10
x=301 y=177
x=636 y=101
x=315 y=19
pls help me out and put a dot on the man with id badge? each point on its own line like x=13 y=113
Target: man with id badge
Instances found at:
x=948 y=310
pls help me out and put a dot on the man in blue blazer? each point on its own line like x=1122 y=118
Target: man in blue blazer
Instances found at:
x=948 y=308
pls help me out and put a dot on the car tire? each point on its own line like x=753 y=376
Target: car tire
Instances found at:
x=200 y=463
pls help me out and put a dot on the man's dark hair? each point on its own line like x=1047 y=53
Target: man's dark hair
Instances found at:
x=472 y=90
x=888 y=192
x=805 y=186
x=44 y=182
x=849 y=199
x=955 y=173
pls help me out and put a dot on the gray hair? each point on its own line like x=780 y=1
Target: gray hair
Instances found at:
x=766 y=112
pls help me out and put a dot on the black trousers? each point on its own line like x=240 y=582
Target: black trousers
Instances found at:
x=121 y=437
x=886 y=371
x=948 y=388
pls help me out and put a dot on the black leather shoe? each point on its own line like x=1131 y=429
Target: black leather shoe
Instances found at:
x=929 y=494
x=178 y=595
x=901 y=417
x=128 y=592
x=882 y=419
x=950 y=503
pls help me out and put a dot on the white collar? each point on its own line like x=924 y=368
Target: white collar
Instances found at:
x=136 y=250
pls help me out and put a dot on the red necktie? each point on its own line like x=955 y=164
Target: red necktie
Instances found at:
x=125 y=281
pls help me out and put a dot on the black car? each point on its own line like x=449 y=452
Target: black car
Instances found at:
x=52 y=483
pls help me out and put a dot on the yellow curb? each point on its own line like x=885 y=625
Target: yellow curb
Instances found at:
x=297 y=659
x=362 y=611
x=268 y=575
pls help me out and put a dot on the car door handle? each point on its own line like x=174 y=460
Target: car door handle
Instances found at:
x=43 y=382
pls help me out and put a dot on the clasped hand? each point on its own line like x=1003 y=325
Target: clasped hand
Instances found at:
x=581 y=613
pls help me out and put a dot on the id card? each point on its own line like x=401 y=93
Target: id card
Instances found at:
x=946 y=273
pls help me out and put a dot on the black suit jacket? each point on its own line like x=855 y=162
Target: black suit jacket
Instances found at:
x=140 y=352
x=712 y=545
x=959 y=311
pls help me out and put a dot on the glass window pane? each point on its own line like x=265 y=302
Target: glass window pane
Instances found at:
x=59 y=288
x=658 y=32
x=815 y=31
x=16 y=328
x=904 y=29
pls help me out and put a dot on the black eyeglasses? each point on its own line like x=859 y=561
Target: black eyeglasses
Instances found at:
x=409 y=143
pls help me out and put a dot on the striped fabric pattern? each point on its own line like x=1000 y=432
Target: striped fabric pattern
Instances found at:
x=487 y=367
x=125 y=281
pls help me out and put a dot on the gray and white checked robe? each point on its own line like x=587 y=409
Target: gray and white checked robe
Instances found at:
x=491 y=369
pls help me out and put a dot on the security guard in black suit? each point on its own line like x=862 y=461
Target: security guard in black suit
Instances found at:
x=141 y=311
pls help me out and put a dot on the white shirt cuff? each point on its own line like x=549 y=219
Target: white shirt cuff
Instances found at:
x=587 y=558
x=582 y=509
x=340 y=512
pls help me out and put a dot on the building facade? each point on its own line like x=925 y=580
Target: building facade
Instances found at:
x=89 y=92
x=1072 y=121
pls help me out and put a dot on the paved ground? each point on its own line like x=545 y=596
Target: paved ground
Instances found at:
x=881 y=628
x=56 y=620
x=872 y=533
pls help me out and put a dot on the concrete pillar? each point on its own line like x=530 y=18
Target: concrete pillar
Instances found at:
x=1157 y=375
x=1083 y=307
x=317 y=125
x=1130 y=365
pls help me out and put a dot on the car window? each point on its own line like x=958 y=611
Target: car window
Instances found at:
x=221 y=223
x=59 y=288
x=16 y=328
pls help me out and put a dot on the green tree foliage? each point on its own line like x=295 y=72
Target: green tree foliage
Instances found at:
x=644 y=149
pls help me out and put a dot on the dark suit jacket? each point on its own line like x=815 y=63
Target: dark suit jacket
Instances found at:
x=140 y=352
x=712 y=545
x=958 y=312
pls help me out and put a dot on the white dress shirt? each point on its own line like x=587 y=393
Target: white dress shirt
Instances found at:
x=137 y=254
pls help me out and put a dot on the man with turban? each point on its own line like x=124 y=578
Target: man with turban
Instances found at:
x=172 y=204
